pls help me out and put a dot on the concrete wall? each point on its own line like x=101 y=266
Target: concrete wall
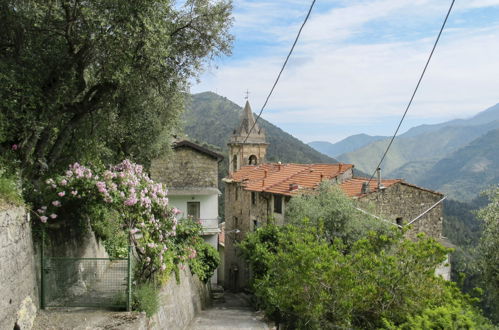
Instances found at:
x=208 y=205
x=179 y=303
x=186 y=168
x=18 y=286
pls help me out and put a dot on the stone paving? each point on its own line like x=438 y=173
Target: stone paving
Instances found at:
x=234 y=313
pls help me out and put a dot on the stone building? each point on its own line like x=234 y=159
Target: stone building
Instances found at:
x=191 y=176
x=247 y=145
x=256 y=192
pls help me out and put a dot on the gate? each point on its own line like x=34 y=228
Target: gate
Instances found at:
x=86 y=282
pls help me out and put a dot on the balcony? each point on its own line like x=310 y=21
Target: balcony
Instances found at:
x=210 y=226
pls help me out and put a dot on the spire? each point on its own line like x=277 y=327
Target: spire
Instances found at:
x=247 y=120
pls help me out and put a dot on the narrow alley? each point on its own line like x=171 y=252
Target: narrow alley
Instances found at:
x=234 y=312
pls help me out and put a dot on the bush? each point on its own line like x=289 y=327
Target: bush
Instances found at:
x=146 y=298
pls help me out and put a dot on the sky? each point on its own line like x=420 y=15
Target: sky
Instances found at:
x=357 y=62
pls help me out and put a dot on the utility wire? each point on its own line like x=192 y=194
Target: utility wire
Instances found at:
x=282 y=69
x=414 y=93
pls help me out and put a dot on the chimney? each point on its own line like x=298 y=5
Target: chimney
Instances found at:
x=339 y=170
x=380 y=186
x=264 y=174
x=365 y=188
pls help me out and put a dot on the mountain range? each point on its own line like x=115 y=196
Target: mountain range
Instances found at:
x=458 y=157
x=211 y=118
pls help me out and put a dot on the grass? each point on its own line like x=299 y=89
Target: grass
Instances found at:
x=9 y=192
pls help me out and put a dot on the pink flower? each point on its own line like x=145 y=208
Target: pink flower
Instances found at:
x=61 y=194
x=134 y=230
x=132 y=200
x=163 y=267
x=64 y=182
x=40 y=211
x=176 y=211
x=43 y=219
x=53 y=215
x=15 y=146
x=74 y=192
x=44 y=208
x=56 y=203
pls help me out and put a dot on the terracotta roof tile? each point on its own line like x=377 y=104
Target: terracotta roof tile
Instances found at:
x=283 y=178
x=353 y=187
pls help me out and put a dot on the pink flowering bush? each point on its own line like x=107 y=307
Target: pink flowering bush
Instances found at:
x=123 y=194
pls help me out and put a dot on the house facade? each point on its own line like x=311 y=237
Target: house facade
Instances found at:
x=191 y=176
x=257 y=192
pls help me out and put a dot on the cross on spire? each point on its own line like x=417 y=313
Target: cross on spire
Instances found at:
x=247 y=95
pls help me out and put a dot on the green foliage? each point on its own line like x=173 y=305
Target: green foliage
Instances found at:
x=10 y=191
x=146 y=298
x=336 y=212
x=206 y=260
x=202 y=258
x=449 y=316
x=488 y=250
x=98 y=81
x=109 y=229
x=305 y=280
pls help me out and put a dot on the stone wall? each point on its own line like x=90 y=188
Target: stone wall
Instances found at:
x=18 y=286
x=180 y=302
x=407 y=202
x=186 y=168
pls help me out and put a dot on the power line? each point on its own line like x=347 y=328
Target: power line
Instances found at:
x=282 y=69
x=414 y=93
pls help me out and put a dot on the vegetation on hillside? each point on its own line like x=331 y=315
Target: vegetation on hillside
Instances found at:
x=488 y=253
x=212 y=118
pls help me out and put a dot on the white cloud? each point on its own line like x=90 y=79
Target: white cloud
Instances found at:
x=332 y=80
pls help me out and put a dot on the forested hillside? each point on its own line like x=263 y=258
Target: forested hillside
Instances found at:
x=458 y=158
x=348 y=144
x=211 y=118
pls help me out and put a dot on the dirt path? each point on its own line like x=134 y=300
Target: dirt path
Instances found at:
x=234 y=313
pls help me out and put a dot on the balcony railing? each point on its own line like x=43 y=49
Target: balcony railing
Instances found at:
x=210 y=224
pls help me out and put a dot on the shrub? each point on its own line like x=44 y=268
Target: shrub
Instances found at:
x=146 y=298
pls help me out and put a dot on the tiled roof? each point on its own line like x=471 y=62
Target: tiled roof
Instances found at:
x=192 y=145
x=286 y=179
x=353 y=187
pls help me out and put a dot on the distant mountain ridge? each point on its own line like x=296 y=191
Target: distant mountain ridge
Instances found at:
x=211 y=118
x=346 y=145
x=426 y=154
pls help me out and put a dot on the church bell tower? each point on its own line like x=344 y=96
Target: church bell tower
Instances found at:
x=247 y=145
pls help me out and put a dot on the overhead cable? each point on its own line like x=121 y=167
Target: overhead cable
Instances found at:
x=415 y=91
x=282 y=69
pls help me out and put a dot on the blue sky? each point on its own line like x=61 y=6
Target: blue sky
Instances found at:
x=357 y=62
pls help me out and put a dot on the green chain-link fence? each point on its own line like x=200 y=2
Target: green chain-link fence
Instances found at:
x=86 y=282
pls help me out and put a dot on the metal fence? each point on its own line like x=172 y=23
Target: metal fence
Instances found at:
x=86 y=282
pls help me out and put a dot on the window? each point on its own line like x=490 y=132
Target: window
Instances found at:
x=277 y=203
x=236 y=193
x=255 y=225
x=400 y=221
x=193 y=209
x=234 y=163
x=253 y=160
x=253 y=198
